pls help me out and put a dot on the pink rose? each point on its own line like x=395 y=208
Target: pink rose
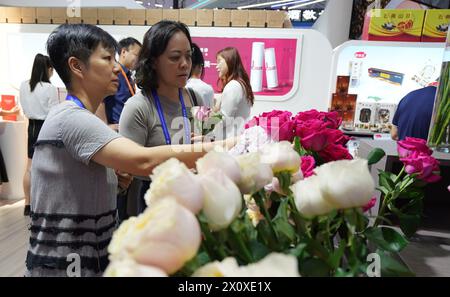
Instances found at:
x=303 y=129
x=425 y=166
x=334 y=152
x=202 y=113
x=410 y=145
x=307 y=166
x=332 y=119
x=278 y=124
x=308 y=115
x=370 y=204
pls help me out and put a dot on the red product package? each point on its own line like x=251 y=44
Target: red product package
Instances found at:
x=8 y=102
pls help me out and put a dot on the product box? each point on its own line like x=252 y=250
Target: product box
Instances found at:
x=257 y=18
x=396 y=25
x=205 y=17
x=89 y=16
x=222 y=17
x=105 y=16
x=436 y=23
x=73 y=15
x=8 y=102
x=345 y=105
x=13 y=15
x=239 y=18
x=188 y=16
x=136 y=16
x=275 y=19
x=121 y=16
x=384 y=116
x=152 y=16
x=44 y=15
x=365 y=115
x=28 y=15
x=171 y=15
x=2 y=15
x=59 y=15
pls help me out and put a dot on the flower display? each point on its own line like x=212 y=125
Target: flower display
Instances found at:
x=267 y=207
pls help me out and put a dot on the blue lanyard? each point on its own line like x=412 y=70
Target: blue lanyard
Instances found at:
x=187 y=130
x=75 y=100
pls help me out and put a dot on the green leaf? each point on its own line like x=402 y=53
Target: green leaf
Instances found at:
x=386 y=181
x=375 y=155
x=386 y=238
x=383 y=190
x=392 y=267
x=298 y=251
x=335 y=257
x=297 y=146
x=258 y=250
x=281 y=224
x=314 y=267
x=409 y=224
x=192 y=265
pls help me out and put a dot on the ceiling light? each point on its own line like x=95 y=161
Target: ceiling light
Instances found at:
x=262 y=4
x=305 y=4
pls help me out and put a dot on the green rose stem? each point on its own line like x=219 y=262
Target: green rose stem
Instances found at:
x=387 y=198
x=259 y=199
x=243 y=251
x=209 y=240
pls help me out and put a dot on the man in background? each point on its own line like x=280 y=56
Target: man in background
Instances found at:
x=111 y=108
x=413 y=115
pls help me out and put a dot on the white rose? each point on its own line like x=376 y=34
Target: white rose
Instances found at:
x=281 y=157
x=273 y=265
x=223 y=200
x=309 y=198
x=222 y=161
x=336 y=185
x=346 y=183
x=129 y=268
x=165 y=235
x=173 y=178
x=255 y=174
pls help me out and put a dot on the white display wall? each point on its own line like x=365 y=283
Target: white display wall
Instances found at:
x=20 y=43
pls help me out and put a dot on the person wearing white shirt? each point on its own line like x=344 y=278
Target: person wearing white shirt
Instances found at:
x=237 y=96
x=195 y=82
x=37 y=96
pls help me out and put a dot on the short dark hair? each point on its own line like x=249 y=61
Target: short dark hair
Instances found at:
x=154 y=44
x=75 y=40
x=198 y=60
x=126 y=43
x=39 y=73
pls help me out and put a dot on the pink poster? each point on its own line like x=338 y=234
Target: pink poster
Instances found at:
x=269 y=62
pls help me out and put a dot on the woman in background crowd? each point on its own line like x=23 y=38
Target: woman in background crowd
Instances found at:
x=159 y=114
x=237 y=96
x=37 y=96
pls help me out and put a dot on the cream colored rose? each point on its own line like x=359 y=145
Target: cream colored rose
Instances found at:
x=336 y=185
x=166 y=235
x=222 y=161
x=173 y=178
x=129 y=268
x=255 y=174
x=223 y=200
x=346 y=183
x=273 y=265
x=309 y=198
x=281 y=157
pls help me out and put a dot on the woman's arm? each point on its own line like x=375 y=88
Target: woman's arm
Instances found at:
x=127 y=156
